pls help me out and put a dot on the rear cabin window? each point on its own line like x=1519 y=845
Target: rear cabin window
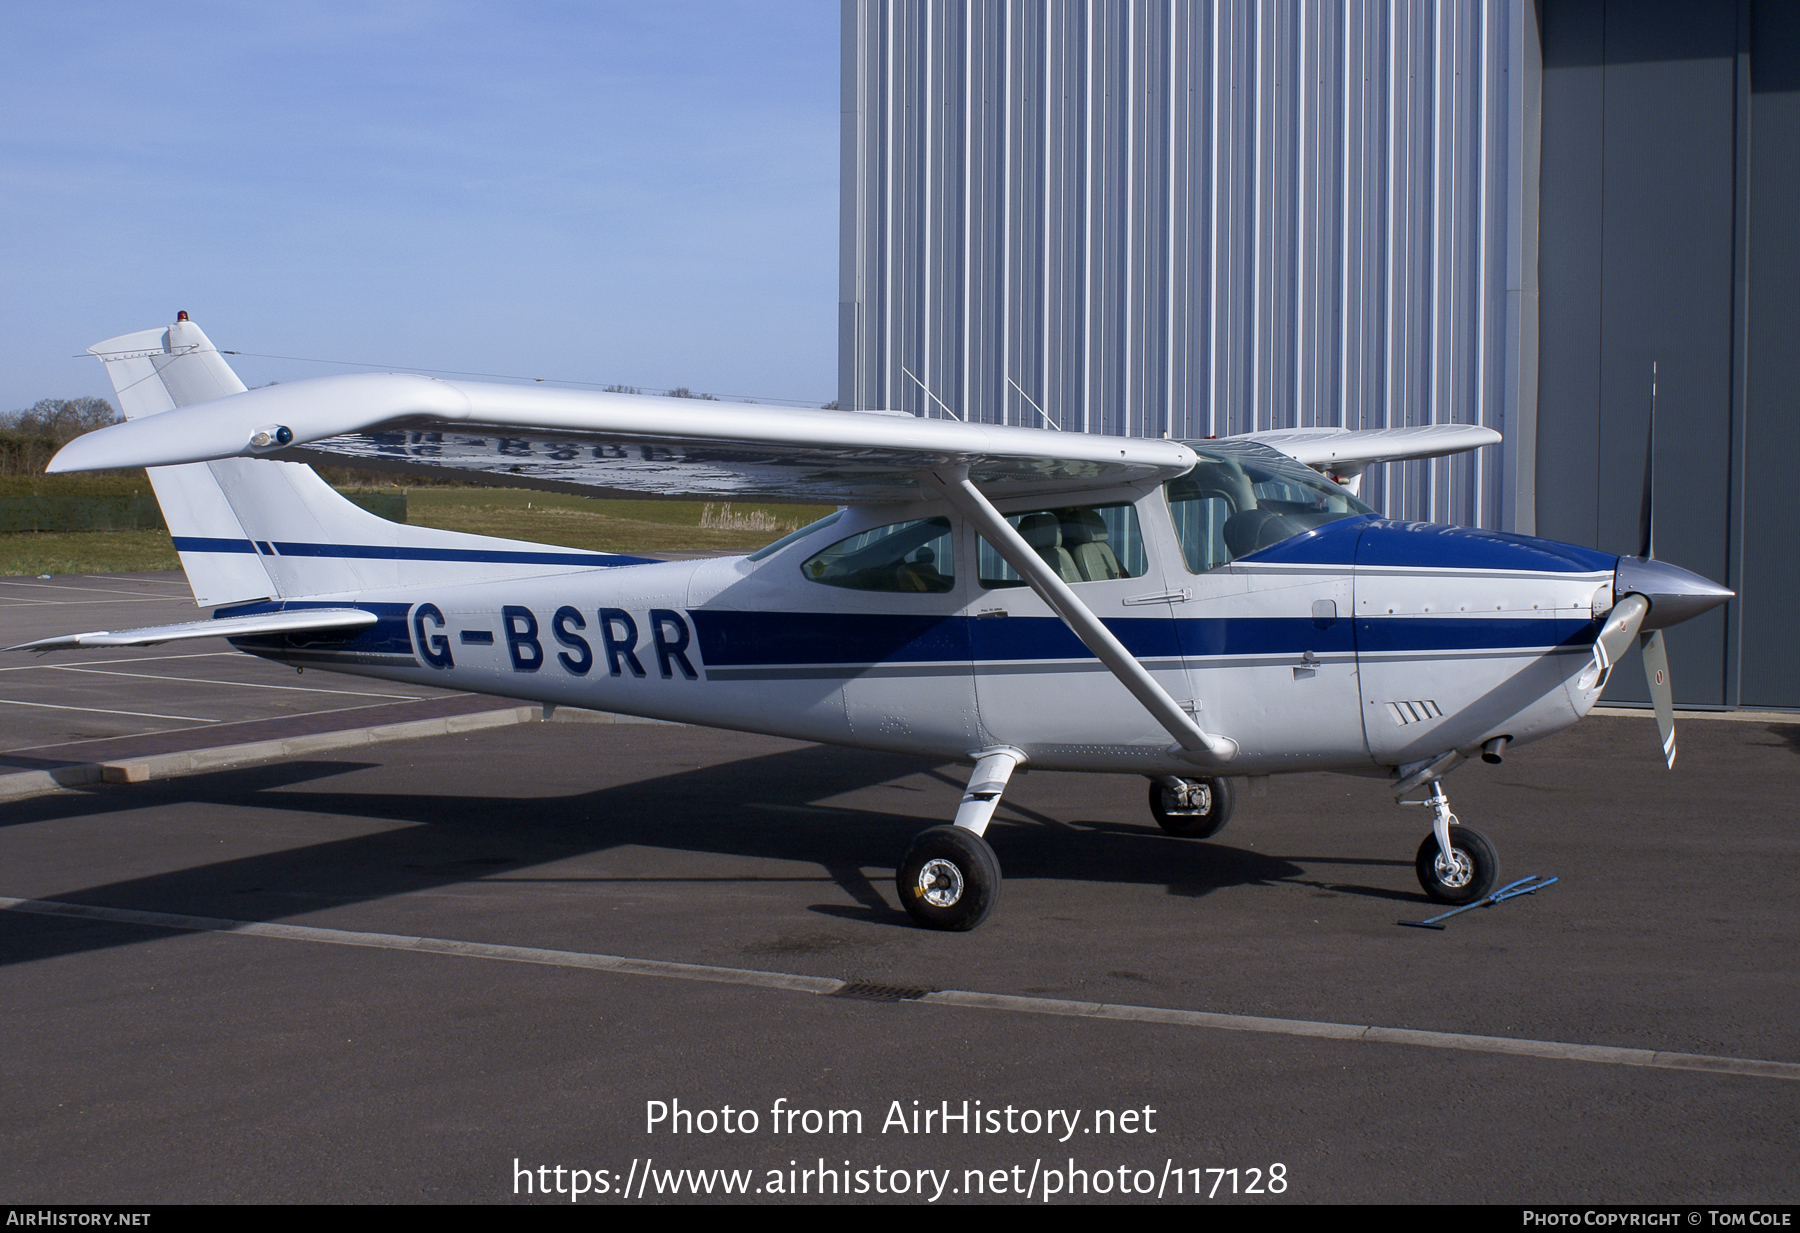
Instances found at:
x=1250 y=498
x=1082 y=543
x=908 y=557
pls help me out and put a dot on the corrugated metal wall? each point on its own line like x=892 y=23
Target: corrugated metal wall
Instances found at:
x=1148 y=216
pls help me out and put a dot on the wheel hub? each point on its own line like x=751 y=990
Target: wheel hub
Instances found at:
x=1193 y=800
x=1456 y=872
x=940 y=883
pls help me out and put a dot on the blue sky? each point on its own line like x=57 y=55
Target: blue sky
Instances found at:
x=582 y=191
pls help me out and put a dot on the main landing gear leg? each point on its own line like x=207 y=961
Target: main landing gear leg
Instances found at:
x=1455 y=865
x=950 y=877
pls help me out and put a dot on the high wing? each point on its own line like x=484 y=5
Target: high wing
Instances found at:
x=619 y=444
x=1343 y=454
x=631 y=445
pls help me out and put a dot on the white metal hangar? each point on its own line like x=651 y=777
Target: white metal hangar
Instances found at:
x=1204 y=217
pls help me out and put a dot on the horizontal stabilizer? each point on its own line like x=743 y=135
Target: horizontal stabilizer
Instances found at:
x=310 y=619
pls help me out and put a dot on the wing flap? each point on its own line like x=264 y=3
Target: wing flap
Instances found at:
x=310 y=619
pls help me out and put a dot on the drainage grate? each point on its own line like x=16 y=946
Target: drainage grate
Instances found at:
x=860 y=992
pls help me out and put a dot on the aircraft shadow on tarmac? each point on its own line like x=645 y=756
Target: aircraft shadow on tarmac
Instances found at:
x=1786 y=732
x=442 y=840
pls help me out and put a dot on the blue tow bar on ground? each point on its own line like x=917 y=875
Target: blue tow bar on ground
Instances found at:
x=1524 y=886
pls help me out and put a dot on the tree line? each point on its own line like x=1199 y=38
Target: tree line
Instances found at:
x=30 y=438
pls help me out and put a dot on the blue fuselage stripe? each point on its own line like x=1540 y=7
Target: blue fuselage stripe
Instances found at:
x=786 y=639
x=766 y=639
x=1387 y=634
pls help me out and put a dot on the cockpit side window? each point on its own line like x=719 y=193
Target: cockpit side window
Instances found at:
x=1200 y=513
x=1239 y=501
x=909 y=557
x=1082 y=543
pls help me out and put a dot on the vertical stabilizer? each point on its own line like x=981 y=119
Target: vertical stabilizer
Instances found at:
x=158 y=370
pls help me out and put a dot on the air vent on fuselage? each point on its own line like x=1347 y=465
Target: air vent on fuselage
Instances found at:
x=1415 y=712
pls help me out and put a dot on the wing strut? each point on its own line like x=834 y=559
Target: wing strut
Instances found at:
x=968 y=501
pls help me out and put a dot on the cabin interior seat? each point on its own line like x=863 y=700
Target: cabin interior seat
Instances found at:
x=1085 y=537
x=1043 y=533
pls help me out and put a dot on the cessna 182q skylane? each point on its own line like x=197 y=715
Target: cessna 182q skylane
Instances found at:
x=999 y=596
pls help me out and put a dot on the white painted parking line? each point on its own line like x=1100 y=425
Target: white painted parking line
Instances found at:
x=152 y=730
x=193 y=722
x=98 y=710
x=139 y=659
x=201 y=723
x=172 y=593
x=1551 y=1050
x=76 y=588
x=192 y=680
x=34 y=604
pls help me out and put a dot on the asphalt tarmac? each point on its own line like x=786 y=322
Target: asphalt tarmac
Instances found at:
x=53 y=707
x=506 y=952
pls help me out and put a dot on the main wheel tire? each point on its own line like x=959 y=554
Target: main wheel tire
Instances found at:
x=1192 y=823
x=949 y=878
x=1477 y=868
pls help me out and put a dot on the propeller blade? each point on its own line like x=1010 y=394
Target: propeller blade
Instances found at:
x=1622 y=625
x=1647 y=509
x=1656 y=672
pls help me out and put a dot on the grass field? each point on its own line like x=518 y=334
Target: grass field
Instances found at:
x=605 y=526
x=104 y=485
x=85 y=552
x=541 y=517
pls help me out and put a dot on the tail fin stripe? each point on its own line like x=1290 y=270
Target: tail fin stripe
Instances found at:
x=382 y=552
x=485 y=556
x=188 y=543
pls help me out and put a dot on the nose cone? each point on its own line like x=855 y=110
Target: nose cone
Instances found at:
x=1675 y=594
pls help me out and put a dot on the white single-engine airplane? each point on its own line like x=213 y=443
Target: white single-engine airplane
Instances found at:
x=999 y=596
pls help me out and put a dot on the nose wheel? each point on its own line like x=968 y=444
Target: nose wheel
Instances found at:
x=1455 y=865
x=1468 y=875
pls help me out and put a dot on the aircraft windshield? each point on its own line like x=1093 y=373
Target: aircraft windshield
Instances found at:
x=1242 y=498
x=771 y=549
